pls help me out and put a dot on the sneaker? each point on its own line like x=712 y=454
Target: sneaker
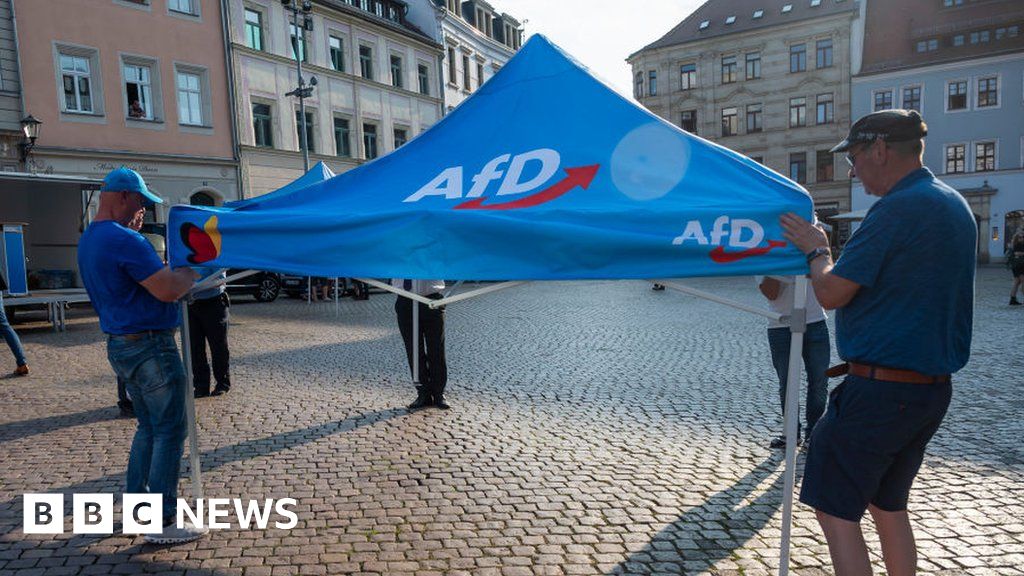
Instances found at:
x=171 y=534
x=658 y=287
x=422 y=400
x=21 y=370
x=779 y=443
x=439 y=402
x=1013 y=302
x=220 y=391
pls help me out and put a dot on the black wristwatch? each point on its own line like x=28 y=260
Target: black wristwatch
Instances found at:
x=819 y=251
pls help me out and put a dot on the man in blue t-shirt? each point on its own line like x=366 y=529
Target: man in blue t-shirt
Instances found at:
x=134 y=294
x=904 y=294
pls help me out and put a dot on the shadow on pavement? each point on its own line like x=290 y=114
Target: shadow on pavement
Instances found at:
x=713 y=531
x=26 y=428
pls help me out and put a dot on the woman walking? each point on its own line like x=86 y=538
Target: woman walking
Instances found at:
x=1017 y=264
x=11 y=336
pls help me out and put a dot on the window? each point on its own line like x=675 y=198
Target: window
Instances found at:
x=479 y=74
x=138 y=91
x=77 y=82
x=183 y=6
x=401 y=137
x=262 y=125
x=310 y=141
x=365 y=5
x=912 y=98
x=825 y=109
x=452 y=72
x=423 y=74
x=337 y=49
x=787 y=8
x=753 y=65
x=754 y=113
x=370 y=140
x=823 y=53
x=366 y=62
x=956 y=162
x=928 y=45
x=758 y=159
x=728 y=69
x=988 y=92
x=798 y=58
x=730 y=20
x=824 y=166
x=984 y=156
x=688 y=121
x=190 y=99
x=798 y=167
x=253 y=29
x=704 y=25
x=466 y=73
x=652 y=85
x=298 y=36
x=396 y=72
x=730 y=122
x=948 y=3
x=883 y=100
x=797 y=112
x=378 y=9
x=687 y=76
x=342 y=137
x=638 y=87
x=956 y=95
x=815 y=3
x=958 y=40
x=758 y=14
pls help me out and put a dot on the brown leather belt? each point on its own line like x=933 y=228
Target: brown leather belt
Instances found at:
x=886 y=374
x=140 y=335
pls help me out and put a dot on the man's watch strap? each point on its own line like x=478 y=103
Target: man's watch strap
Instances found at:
x=819 y=251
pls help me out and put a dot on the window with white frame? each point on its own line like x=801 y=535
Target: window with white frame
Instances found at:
x=370 y=140
x=190 y=98
x=253 y=29
x=797 y=112
x=366 y=61
x=882 y=100
x=298 y=40
x=688 y=76
x=479 y=74
x=183 y=6
x=423 y=76
x=76 y=80
x=262 y=125
x=138 y=90
x=342 y=137
x=984 y=156
x=310 y=130
x=825 y=111
x=336 y=46
x=956 y=95
x=466 y=73
x=401 y=136
x=730 y=122
x=912 y=98
x=988 y=91
x=956 y=159
x=397 y=72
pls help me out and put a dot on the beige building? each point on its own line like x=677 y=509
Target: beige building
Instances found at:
x=141 y=83
x=10 y=93
x=377 y=85
x=768 y=79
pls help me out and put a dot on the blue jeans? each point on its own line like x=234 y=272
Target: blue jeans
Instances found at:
x=11 y=336
x=817 y=353
x=155 y=377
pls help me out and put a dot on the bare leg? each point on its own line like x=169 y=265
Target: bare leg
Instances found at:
x=846 y=545
x=897 y=539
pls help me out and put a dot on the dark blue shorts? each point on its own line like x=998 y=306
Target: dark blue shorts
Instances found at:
x=868 y=447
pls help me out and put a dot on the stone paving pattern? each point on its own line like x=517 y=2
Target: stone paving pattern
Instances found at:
x=598 y=428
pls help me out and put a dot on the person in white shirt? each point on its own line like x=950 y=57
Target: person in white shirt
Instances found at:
x=817 y=349
x=433 y=368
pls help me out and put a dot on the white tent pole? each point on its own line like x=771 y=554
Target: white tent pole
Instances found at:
x=724 y=301
x=415 y=341
x=393 y=290
x=190 y=405
x=797 y=327
x=473 y=294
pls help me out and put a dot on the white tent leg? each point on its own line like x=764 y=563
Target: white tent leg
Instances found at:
x=797 y=327
x=415 y=342
x=190 y=406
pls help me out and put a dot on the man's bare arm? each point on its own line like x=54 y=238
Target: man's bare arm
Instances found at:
x=832 y=291
x=168 y=285
x=770 y=287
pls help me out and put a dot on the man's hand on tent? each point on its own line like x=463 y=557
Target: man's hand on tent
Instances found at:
x=832 y=291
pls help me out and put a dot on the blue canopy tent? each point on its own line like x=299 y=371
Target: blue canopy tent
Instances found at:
x=316 y=174
x=545 y=173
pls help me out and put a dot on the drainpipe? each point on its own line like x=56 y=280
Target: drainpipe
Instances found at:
x=440 y=14
x=225 y=20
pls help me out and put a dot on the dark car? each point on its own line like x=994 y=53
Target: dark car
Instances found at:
x=264 y=286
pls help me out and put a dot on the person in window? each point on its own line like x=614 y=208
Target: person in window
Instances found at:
x=135 y=110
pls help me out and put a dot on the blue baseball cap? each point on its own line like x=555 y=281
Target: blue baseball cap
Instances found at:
x=127 y=180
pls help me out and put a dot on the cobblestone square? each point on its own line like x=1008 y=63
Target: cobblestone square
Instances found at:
x=597 y=428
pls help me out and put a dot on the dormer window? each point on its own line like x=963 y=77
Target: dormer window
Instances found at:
x=787 y=8
x=704 y=24
x=815 y=3
x=758 y=13
x=730 y=19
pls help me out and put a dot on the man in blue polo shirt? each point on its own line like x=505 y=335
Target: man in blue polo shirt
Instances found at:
x=134 y=294
x=903 y=291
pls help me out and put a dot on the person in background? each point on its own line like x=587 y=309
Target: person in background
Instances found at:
x=433 y=367
x=11 y=337
x=135 y=294
x=208 y=323
x=817 y=349
x=1016 y=253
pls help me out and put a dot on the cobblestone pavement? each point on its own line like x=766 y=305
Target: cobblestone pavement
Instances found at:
x=597 y=428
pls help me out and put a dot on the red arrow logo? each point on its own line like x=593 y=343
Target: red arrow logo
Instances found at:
x=720 y=256
x=581 y=176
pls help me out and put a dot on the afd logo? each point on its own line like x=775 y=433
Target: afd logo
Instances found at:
x=514 y=172
x=744 y=238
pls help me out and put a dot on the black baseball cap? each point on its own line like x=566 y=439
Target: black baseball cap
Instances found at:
x=889 y=125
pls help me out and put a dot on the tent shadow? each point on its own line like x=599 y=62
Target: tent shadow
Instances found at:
x=713 y=531
x=26 y=428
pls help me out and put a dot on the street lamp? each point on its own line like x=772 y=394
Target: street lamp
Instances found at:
x=30 y=126
x=303 y=91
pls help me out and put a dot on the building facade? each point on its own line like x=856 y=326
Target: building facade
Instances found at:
x=141 y=83
x=767 y=79
x=377 y=85
x=961 y=64
x=10 y=93
x=477 y=39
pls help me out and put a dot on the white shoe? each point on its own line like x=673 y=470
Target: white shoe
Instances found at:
x=171 y=534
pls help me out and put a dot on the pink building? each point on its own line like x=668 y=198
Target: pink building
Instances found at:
x=142 y=83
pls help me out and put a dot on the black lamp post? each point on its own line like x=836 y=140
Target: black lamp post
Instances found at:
x=30 y=126
x=303 y=91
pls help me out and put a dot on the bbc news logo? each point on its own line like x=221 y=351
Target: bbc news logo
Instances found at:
x=143 y=513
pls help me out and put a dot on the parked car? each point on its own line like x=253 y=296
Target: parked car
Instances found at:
x=264 y=286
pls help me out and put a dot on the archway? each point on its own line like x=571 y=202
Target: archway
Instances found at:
x=204 y=198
